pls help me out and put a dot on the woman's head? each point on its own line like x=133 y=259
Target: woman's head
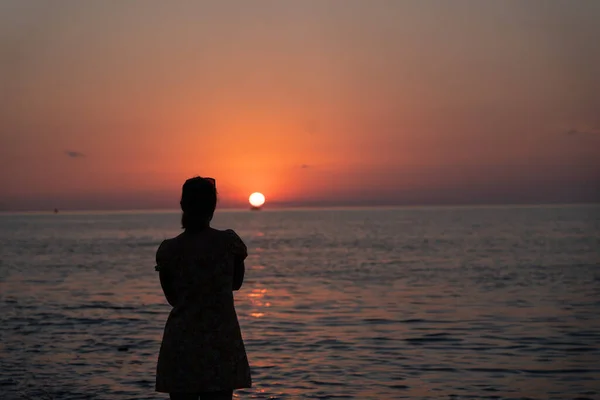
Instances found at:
x=198 y=202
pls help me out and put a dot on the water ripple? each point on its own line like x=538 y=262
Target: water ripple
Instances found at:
x=414 y=304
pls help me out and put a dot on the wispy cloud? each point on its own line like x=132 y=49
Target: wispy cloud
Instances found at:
x=304 y=166
x=583 y=132
x=74 y=154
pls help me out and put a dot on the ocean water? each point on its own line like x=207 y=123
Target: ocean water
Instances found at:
x=415 y=303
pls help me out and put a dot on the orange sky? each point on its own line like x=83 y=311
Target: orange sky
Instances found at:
x=312 y=102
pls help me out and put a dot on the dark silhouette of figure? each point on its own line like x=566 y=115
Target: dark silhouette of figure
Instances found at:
x=202 y=355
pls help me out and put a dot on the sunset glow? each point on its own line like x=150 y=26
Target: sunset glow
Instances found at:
x=372 y=103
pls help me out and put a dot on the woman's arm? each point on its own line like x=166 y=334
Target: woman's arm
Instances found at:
x=238 y=273
x=166 y=273
x=166 y=282
x=240 y=251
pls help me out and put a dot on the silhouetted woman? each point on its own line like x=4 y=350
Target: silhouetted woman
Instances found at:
x=202 y=353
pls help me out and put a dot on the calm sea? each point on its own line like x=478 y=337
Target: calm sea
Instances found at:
x=415 y=303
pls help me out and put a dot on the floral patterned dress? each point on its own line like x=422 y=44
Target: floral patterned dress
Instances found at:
x=202 y=348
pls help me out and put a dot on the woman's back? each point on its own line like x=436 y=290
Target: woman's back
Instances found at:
x=200 y=268
x=202 y=348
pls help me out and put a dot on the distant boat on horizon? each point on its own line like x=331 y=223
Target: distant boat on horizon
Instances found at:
x=56 y=211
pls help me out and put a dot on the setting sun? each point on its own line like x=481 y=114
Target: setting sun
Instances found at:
x=257 y=199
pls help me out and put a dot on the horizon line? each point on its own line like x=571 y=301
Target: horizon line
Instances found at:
x=291 y=207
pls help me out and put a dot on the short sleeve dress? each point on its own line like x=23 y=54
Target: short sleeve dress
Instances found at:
x=202 y=348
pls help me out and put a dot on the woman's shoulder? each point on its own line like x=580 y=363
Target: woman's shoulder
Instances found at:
x=230 y=233
x=166 y=248
x=235 y=242
x=169 y=243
